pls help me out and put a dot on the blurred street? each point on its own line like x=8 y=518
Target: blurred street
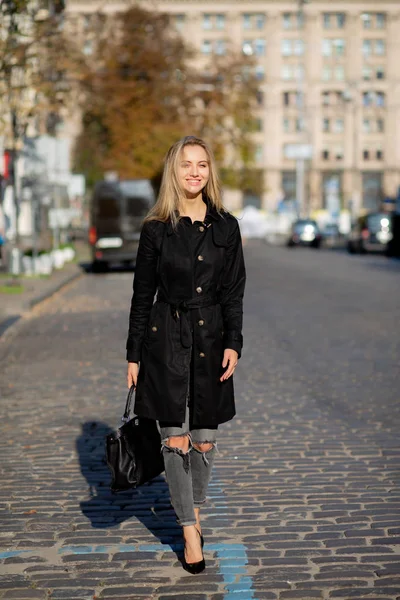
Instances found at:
x=305 y=498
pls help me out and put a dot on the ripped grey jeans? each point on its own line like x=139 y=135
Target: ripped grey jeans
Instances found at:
x=188 y=474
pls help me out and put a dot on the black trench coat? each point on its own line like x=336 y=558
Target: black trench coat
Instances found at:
x=198 y=313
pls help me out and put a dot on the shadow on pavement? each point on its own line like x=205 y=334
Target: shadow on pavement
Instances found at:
x=149 y=504
x=88 y=267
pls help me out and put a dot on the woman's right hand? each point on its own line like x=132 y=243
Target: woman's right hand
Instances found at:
x=133 y=371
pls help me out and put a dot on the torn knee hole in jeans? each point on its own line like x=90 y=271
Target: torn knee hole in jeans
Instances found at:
x=184 y=453
x=204 y=448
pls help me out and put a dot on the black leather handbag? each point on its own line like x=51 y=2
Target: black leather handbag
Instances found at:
x=133 y=452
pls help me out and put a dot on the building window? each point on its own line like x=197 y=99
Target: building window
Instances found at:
x=246 y=21
x=338 y=126
x=367 y=20
x=220 y=22
x=339 y=153
x=325 y=154
x=374 y=99
x=366 y=47
x=260 y=98
x=286 y=98
x=253 y=21
x=380 y=20
x=286 y=125
x=374 y=20
x=259 y=72
x=259 y=47
x=326 y=73
x=300 y=125
x=380 y=99
x=366 y=154
x=367 y=73
x=339 y=73
x=326 y=125
x=379 y=155
x=88 y=47
x=286 y=72
x=339 y=45
x=179 y=22
x=207 y=22
x=293 y=20
x=298 y=47
x=380 y=73
x=258 y=153
x=380 y=47
x=326 y=47
x=286 y=47
x=366 y=126
x=326 y=98
x=380 y=125
x=220 y=47
x=334 y=20
x=259 y=21
x=286 y=20
x=206 y=47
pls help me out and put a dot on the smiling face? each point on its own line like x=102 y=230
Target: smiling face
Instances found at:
x=193 y=170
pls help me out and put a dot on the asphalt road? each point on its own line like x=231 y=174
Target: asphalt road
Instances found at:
x=305 y=498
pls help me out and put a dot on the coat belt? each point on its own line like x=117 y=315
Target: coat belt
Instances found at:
x=180 y=311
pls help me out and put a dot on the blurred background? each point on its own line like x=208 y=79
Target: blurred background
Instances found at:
x=300 y=101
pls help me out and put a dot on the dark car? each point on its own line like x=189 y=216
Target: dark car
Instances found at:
x=371 y=233
x=117 y=213
x=305 y=232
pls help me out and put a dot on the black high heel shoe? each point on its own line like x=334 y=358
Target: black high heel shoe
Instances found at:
x=196 y=567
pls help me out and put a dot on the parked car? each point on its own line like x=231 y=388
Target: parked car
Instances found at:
x=305 y=232
x=371 y=233
x=117 y=213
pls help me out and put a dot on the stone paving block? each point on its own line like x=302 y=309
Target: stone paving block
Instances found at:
x=313 y=493
x=25 y=594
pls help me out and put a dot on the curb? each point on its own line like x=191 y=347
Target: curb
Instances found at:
x=42 y=297
x=12 y=320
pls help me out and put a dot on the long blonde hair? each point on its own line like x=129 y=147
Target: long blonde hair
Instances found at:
x=167 y=206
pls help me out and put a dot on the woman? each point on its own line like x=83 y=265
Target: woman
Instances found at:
x=189 y=341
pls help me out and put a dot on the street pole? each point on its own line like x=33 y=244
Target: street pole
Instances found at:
x=302 y=210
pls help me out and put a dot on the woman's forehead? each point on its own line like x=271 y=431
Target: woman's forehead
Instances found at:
x=194 y=153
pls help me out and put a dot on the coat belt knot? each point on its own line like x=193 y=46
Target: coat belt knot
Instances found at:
x=180 y=311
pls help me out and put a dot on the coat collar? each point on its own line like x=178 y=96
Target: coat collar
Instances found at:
x=212 y=215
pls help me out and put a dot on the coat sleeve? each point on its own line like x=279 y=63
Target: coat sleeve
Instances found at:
x=144 y=289
x=232 y=291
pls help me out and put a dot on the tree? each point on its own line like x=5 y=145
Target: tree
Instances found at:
x=141 y=93
x=35 y=59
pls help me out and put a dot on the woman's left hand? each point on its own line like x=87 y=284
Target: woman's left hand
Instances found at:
x=229 y=363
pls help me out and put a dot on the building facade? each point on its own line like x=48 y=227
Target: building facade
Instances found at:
x=328 y=78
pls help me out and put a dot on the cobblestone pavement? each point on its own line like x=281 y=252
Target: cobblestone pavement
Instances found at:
x=305 y=499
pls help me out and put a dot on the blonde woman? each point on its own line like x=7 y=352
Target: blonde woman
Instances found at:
x=187 y=343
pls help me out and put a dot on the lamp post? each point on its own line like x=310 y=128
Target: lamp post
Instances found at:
x=302 y=209
x=349 y=96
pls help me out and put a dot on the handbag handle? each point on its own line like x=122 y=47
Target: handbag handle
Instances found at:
x=128 y=404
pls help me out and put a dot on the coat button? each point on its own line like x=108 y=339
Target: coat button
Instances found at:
x=202 y=355
x=199 y=290
x=154 y=328
x=200 y=257
x=201 y=228
x=201 y=322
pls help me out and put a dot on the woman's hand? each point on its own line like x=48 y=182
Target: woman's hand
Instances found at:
x=133 y=370
x=229 y=363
